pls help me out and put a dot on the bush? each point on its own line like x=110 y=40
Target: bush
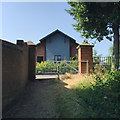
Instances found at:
x=95 y=96
x=48 y=66
x=104 y=95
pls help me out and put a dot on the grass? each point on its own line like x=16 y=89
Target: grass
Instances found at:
x=69 y=104
x=94 y=96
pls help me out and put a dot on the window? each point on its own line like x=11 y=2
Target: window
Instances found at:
x=39 y=59
x=57 y=58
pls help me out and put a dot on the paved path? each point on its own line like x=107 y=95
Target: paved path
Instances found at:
x=38 y=101
x=46 y=76
x=39 y=77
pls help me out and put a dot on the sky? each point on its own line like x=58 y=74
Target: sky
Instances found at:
x=31 y=21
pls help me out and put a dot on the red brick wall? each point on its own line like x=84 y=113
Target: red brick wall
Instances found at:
x=18 y=63
x=79 y=59
x=41 y=50
x=85 y=53
x=73 y=49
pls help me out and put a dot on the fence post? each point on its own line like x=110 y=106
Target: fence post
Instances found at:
x=58 y=71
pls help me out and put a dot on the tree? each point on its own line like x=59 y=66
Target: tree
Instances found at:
x=96 y=57
x=111 y=52
x=95 y=54
x=98 y=20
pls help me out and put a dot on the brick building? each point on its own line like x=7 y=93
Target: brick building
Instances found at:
x=56 y=46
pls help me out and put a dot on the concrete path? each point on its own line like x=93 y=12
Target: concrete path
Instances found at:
x=46 y=76
x=38 y=101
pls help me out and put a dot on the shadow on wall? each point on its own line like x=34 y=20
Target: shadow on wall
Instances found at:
x=18 y=66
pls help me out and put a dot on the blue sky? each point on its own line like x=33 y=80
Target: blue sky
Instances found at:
x=31 y=21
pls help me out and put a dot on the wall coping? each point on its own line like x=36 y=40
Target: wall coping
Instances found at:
x=30 y=43
x=11 y=45
x=84 y=45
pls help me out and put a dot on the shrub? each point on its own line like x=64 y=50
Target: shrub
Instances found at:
x=104 y=95
x=94 y=96
x=48 y=66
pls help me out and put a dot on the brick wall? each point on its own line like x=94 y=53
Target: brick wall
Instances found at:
x=73 y=49
x=41 y=50
x=15 y=71
x=32 y=62
x=85 y=53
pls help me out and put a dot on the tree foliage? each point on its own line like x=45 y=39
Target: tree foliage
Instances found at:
x=95 y=54
x=93 y=19
x=97 y=20
x=111 y=50
x=96 y=58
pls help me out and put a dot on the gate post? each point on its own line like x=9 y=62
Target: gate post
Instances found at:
x=85 y=58
x=32 y=61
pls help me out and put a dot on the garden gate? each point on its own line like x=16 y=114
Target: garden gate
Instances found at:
x=61 y=67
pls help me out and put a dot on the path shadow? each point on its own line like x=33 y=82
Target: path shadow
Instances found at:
x=50 y=98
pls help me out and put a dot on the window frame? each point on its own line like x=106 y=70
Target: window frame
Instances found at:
x=57 y=57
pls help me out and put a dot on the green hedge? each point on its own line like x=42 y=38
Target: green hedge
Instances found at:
x=49 y=66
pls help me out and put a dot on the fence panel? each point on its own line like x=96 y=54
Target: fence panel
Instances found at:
x=102 y=62
x=64 y=66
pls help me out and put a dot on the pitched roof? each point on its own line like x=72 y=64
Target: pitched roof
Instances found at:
x=54 y=32
x=85 y=45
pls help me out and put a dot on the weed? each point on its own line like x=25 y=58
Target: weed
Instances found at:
x=96 y=98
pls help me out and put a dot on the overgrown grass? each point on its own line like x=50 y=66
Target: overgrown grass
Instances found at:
x=99 y=99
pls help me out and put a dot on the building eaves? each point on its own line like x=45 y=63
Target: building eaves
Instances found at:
x=56 y=31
